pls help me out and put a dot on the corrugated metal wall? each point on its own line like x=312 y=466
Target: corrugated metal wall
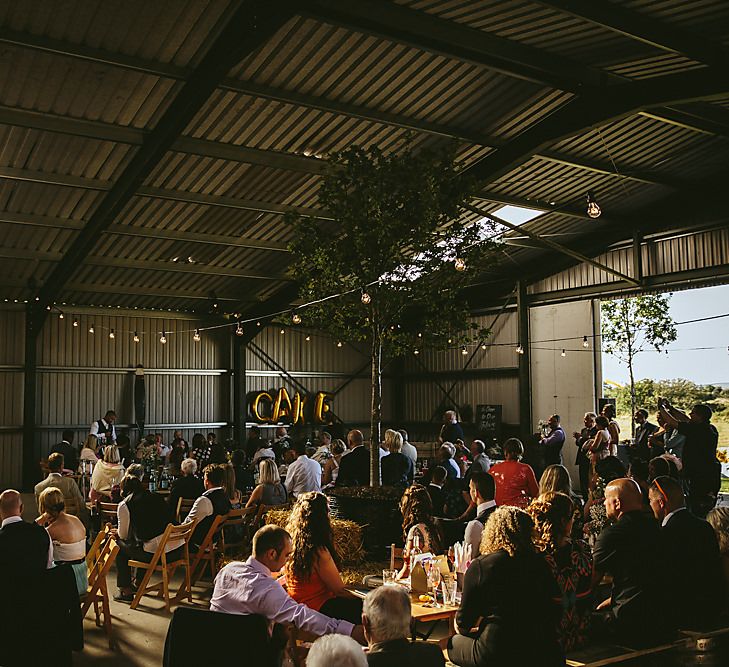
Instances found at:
x=11 y=396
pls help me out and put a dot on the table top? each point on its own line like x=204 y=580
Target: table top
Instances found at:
x=420 y=611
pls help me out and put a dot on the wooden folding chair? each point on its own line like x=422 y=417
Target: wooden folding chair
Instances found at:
x=260 y=516
x=99 y=560
x=241 y=521
x=184 y=505
x=159 y=563
x=208 y=552
x=108 y=512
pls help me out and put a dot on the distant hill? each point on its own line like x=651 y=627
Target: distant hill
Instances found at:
x=723 y=385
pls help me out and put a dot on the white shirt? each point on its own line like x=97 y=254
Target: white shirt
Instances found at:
x=15 y=519
x=668 y=516
x=264 y=453
x=94 y=429
x=474 y=529
x=410 y=451
x=201 y=508
x=303 y=475
x=124 y=524
x=248 y=588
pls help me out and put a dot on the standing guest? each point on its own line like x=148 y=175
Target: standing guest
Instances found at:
x=552 y=443
x=582 y=460
x=556 y=479
x=75 y=503
x=570 y=561
x=483 y=490
x=418 y=524
x=630 y=550
x=719 y=520
x=65 y=447
x=479 y=461
x=89 y=450
x=354 y=468
x=409 y=450
x=213 y=502
x=107 y=474
x=189 y=486
x=179 y=442
x=640 y=449
x=263 y=453
x=104 y=428
x=445 y=455
x=254 y=442
x=701 y=470
x=657 y=439
x=68 y=535
x=312 y=574
x=25 y=548
x=247 y=587
x=435 y=490
x=451 y=429
x=673 y=440
x=599 y=446
x=142 y=516
x=692 y=551
x=515 y=482
x=509 y=596
x=396 y=468
x=304 y=474
x=269 y=491
x=178 y=453
x=201 y=452
x=126 y=456
x=324 y=450
x=281 y=443
x=336 y=650
x=608 y=411
x=386 y=617
x=331 y=467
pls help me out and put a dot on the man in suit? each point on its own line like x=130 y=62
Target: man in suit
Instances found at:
x=582 y=460
x=65 y=447
x=354 y=468
x=435 y=489
x=386 y=617
x=25 y=548
x=482 y=490
x=693 y=554
x=640 y=449
x=552 y=444
x=71 y=494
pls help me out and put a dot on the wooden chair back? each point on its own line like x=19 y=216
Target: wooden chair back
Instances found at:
x=99 y=560
x=239 y=528
x=108 y=512
x=208 y=552
x=160 y=563
x=184 y=505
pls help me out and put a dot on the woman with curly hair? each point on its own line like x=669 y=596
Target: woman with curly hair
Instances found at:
x=570 y=561
x=418 y=526
x=312 y=574
x=510 y=606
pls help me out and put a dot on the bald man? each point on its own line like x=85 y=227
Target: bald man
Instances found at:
x=636 y=613
x=25 y=548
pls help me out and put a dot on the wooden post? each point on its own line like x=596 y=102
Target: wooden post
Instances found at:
x=525 y=387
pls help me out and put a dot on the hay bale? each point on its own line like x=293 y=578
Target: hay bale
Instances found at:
x=347 y=535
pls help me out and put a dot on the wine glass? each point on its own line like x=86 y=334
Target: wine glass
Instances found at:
x=434 y=580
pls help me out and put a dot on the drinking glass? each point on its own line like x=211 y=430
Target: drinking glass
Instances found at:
x=448 y=587
x=434 y=580
x=389 y=577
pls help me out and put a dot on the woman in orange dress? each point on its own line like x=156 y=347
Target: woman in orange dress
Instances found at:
x=312 y=574
x=516 y=484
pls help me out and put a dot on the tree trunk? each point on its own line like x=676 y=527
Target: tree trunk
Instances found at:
x=630 y=338
x=376 y=412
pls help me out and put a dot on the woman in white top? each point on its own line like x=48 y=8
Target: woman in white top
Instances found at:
x=598 y=448
x=417 y=522
x=608 y=411
x=68 y=535
x=331 y=466
x=107 y=473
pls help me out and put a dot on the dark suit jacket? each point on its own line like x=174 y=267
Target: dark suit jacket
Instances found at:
x=437 y=496
x=401 y=652
x=70 y=455
x=354 y=468
x=641 y=448
x=698 y=589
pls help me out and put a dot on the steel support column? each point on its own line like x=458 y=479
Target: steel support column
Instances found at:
x=525 y=386
x=30 y=383
x=238 y=373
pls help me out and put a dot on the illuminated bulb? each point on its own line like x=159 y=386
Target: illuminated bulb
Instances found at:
x=135 y=338
x=91 y=329
x=307 y=339
x=48 y=307
x=339 y=343
x=112 y=335
x=564 y=353
x=593 y=210
x=584 y=342
x=464 y=351
x=450 y=340
x=60 y=316
x=483 y=346
x=460 y=264
x=296 y=319
x=238 y=330
x=416 y=351
x=420 y=335
x=258 y=324
x=366 y=298
x=196 y=336
x=519 y=349
x=163 y=338
x=282 y=331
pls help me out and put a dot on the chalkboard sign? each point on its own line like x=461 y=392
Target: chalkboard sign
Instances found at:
x=488 y=422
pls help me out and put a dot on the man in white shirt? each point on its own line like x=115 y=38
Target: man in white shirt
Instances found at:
x=104 y=426
x=483 y=490
x=213 y=502
x=304 y=474
x=409 y=450
x=247 y=587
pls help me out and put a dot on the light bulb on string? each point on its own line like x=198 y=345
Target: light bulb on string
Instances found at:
x=420 y=335
x=307 y=339
x=91 y=329
x=483 y=346
x=163 y=338
x=416 y=351
x=464 y=350
x=75 y=322
x=519 y=349
x=258 y=324
x=238 y=330
x=366 y=298
x=460 y=264
x=196 y=336
x=135 y=338
x=593 y=209
x=296 y=318
x=339 y=343
x=585 y=342
x=112 y=335
x=564 y=352
x=60 y=315
x=450 y=340
x=282 y=331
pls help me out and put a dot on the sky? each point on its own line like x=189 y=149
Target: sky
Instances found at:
x=700 y=366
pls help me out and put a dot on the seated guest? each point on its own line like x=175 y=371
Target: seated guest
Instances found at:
x=661 y=466
x=25 y=548
x=336 y=650
x=630 y=550
x=269 y=491
x=719 y=520
x=178 y=452
x=354 y=468
x=330 y=471
x=218 y=453
x=72 y=497
x=247 y=587
x=126 y=455
x=606 y=470
x=312 y=574
x=89 y=450
x=418 y=526
x=435 y=490
x=66 y=448
x=265 y=452
x=397 y=469
x=136 y=470
x=570 y=561
x=188 y=486
x=408 y=449
x=142 y=517
x=107 y=474
x=508 y=614
x=304 y=474
x=68 y=535
x=692 y=551
x=482 y=490
x=254 y=442
x=556 y=479
x=213 y=502
x=445 y=455
x=515 y=482
x=201 y=451
x=230 y=487
x=638 y=472
x=386 y=617
x=479 y=461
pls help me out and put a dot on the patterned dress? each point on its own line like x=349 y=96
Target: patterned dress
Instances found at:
x=571 y=566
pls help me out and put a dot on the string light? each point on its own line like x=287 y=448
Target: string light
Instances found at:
x=450 y=340
x=460 y=264
x=366 y=298
x=416 y=351
x=593 y=209
x=112 y=335
x=91 y=329
x=258 y=324
x=339 y=343
x=296 y=319
x=585 y=343
x=483 y=346
x=238 y=330
x=564 y=352
x=519 y=349
x=464 y=351
x=282 y=331
x=307 y=339
x=60 y=315
x=163 y=338
x=420 y=335
x=196 y=336
x=135 y=338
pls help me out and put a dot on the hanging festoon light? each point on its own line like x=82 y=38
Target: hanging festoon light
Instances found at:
x=135 y=337
x=112 y=335
x=519 y=349
x=307 y=339
x=483 y=346
x=92 y=329
x=60 y=315
x=339 y=343
x=564 y=352
x=416 y=351
x=258 y=324
x=593 y=209
x=75 y=322
x=238 y=330
x=464 y=350
x=585 y=342
x=366 y=298
x=163 y=338
x=460 y=264
x=196 y=336
x=296 y=318
x=282 y=331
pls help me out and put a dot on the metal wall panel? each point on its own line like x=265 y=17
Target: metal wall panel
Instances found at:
x=11 y=396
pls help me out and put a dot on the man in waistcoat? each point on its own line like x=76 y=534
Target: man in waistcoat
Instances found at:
x=104 y=429
x=483 y=491
x=213 y=502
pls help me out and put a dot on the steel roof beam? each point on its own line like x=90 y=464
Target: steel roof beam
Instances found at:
x=688 y=120
x=120 y=290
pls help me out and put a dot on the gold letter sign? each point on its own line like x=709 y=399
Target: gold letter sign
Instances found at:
x=293 y=410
